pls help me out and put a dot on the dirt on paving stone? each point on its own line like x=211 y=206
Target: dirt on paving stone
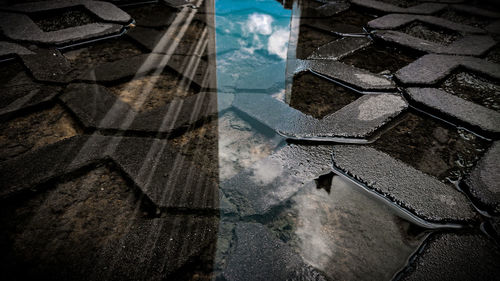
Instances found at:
x=153 y=91
x=431 y=33
x=378 y=58
x=62 y=231
x=463 y=18
x=474 y=88
x=200 y=145
x=311 y=39
x=102 y=52
x=30 y=132
x=319 y=97
x=61 y=19
x=431 y=147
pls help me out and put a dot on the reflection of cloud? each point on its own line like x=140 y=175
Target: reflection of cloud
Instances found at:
x=278 y=43
x=259 y=23
x=265 y=171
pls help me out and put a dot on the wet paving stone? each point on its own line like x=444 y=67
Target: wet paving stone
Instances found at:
x=431 y=147
x=474 y=88
x=378 y=58
x=28 y=133
x=483 y=182
x=463 y=18
x=350 y=21
x=319 y=97
x=431 y=33
x=494 y=54
x=156 y=15
x=403 y=3
x=475 y=256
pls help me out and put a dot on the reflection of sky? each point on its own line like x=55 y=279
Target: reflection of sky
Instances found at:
x=251 y=35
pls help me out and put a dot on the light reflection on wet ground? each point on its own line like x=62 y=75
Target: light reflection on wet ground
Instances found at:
x=329 y=222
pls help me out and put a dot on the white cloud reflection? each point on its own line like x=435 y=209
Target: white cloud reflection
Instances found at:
x=278 y=43
x=259 y=23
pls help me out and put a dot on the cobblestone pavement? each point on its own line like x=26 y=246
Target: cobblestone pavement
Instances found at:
x=250 y=140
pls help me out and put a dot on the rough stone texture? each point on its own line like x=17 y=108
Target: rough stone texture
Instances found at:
x=472 y=45
x=451 y=256
x=358 y=120
x=142 y=65
x=352 y=76
x=23 y=97
x=20 y=27
x=9 y=49
x=159 y=177
x=449 y=105
x=484 y=181
x=96 y=108
x=258 y=255
x=394 y=21
x=430 y=69
x=47 y=65
x=424 y=8
x=413 y=190
x=337 y=49
x=104 y=10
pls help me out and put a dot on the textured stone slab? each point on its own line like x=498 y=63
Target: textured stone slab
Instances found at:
x=159 y=246
x=451 y=256
x=103 y=10
x=48 y=65
x=469 y=9
x=23 y=97
x=356 y=77
x=96 y=108
x=494 y=27
x=476 y=116
x=413 y=190
x=8 y=49
x=273 y=180
x=394 y=21
x=166 y=178
x=259 y=255
x=340 y=48
x=423 y=8
x=472 y=45
x=484 y=181
x=19 y=27
x=430 y=69
x=358 y=120
x=142 y=65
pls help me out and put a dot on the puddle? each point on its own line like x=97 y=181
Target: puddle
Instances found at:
x=431 y=147
x=431 y=33
x=153 y=91
x=61 y=19
x=381 y=59
x=64 y=230
x=474 y=88
x=319 y=97
x=241 y=145
x=101 y=52
x=326 y=225
x=38 y=129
